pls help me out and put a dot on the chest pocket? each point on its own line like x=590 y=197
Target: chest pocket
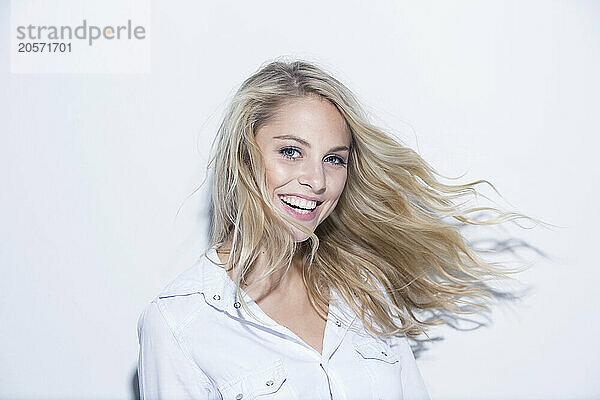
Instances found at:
x=382 y=364
x=266 y=383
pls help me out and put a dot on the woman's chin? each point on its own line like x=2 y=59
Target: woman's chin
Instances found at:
x=299 y=236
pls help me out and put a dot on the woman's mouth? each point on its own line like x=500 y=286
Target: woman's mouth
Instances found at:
x=299 y=208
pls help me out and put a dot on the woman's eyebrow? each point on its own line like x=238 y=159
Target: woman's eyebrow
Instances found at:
x=305 y=143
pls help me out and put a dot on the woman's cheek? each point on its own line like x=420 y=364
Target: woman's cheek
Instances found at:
x=278 y=173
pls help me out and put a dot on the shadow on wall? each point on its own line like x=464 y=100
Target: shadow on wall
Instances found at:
x=135 y=388
x=499 y=243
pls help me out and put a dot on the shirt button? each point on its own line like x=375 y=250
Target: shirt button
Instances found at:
x=239 y=396
x=237 y=304
x=217 y=297
x=269 y=383
x=338 y=323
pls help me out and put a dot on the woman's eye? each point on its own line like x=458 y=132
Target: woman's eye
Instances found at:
x=288 y=152
x=337 y=160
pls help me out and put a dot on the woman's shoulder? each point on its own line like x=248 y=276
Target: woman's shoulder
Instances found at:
x=183 y=296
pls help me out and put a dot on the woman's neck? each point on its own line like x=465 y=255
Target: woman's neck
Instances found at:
x=290 y=280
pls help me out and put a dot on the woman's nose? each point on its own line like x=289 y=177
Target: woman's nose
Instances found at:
x=313 y=175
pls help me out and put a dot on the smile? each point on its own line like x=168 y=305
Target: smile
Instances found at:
x=299 y=208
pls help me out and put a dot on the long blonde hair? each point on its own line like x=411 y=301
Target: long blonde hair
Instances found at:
x=385 y=248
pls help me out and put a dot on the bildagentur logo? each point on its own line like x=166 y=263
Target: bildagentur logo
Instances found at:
x=84 y=31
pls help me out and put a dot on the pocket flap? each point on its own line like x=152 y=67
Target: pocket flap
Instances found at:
x=373 y=349
x=267 y=381
x=254 y=385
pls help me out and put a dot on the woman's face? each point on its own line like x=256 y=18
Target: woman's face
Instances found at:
x=305 y=148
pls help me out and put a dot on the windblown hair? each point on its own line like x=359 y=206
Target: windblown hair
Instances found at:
x=386 y=247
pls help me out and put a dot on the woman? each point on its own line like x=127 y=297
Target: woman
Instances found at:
x=328 y=239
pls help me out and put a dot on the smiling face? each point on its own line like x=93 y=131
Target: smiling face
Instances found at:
x=305 y=148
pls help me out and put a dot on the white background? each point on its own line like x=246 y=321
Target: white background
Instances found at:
x=94 y=168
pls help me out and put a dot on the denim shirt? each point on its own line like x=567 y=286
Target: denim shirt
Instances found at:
x=196 y=342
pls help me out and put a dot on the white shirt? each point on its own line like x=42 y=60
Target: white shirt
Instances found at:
x=196 y=342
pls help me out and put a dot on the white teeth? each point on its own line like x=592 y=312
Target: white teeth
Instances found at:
x=302 y=211
x=300 y=202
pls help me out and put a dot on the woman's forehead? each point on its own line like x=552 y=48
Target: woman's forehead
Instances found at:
x=311 y=118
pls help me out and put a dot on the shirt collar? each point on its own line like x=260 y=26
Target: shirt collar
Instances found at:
x=210 y=279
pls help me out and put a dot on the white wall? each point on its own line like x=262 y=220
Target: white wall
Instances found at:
x=93 y=169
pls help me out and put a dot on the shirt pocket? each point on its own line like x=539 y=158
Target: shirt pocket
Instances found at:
x=267 y=383
x=381 y=363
